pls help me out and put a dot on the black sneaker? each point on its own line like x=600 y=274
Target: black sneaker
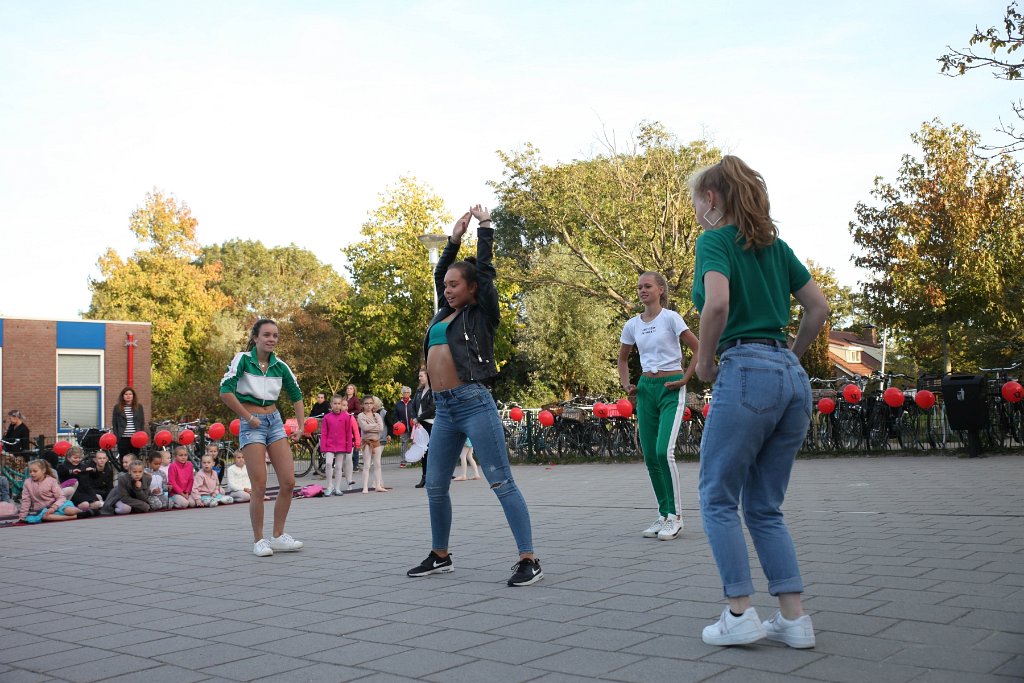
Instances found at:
x=434 y=564
x=528 y=572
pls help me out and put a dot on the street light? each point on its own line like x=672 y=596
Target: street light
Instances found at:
x=433 y=244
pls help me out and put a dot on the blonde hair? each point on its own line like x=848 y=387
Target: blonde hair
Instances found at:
x=744 y=196
x=45 y=466
x=660 y=279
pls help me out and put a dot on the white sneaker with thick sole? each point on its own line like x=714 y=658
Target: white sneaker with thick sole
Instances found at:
x=652 y=530
x=730 y=630
x=798 y=633
x=262 y=549
x=671 y=529
x=285 y=543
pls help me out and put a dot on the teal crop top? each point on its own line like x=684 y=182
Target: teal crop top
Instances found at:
x=437 y=335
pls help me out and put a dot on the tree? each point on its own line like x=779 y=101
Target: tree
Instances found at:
x=615 y=216
x=159 y=283
x=1006 y=41
x=944 y=246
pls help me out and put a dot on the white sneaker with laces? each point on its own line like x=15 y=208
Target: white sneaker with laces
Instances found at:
x=262 y=549
x=285 y=543
x=798 y=633
x=730 y=630
x=671 y=529
x=652 y=530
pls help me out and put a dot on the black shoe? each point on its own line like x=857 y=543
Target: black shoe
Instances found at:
x=434 y=564
x=423 y=482
x=528 y=572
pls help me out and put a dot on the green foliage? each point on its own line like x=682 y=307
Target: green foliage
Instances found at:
x=944 y=246
x=160 y=283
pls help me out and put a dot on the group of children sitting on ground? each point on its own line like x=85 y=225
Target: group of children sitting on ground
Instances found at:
x=80 y=488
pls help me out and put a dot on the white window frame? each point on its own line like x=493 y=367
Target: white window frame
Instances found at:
x=99 y=388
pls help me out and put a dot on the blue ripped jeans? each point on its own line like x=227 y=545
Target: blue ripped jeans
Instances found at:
x=760 y=409
x=469 y=411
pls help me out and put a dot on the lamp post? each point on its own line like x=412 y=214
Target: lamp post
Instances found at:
x=433 y=244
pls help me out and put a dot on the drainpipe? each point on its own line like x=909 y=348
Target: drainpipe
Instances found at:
x=131 y=344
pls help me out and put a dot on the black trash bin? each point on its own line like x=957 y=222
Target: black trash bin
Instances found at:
x=966 y=406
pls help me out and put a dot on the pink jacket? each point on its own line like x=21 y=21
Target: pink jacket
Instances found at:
x=45 y=494
x=179 y=478
x=205 y=485
x=338 y=433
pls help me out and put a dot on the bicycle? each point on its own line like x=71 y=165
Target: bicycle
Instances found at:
x=1005 y=419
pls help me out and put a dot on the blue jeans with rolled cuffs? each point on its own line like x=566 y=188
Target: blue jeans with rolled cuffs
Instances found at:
x=270 y=429
x=469 y=411
x=760 y=409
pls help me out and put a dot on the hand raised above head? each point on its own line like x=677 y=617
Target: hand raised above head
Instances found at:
x=480 y=213
x=460 y=227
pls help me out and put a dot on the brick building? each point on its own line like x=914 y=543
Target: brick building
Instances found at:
x=60 y=373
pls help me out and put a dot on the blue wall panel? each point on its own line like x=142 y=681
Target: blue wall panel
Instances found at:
x=81 y=335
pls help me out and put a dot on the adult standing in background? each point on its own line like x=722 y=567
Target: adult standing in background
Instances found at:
x=354 y=406
x=403 y=413
x=761 y=400
x=321 y=407
x=423 y=410
x=128 y=418
x=17 y=435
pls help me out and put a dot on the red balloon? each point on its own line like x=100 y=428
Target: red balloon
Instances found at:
x=186 y=437
x=516 y=414
x=61 y=448
x=851 y=393
x=162 y=438
x=290 y=425
x=1013 y=392
x=687 y=415
x=624 y=407
x=546 y=418
x=310 y=425
x=216 y=431
x=924 y=399
x=600 y=410
x=235 y=426
x=399 y=428
x=826 y=406
x=140 y=439
x=893 y=397
x=706 y=409
x=108 y=441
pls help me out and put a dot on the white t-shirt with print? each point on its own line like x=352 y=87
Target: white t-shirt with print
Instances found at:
x=657 y=340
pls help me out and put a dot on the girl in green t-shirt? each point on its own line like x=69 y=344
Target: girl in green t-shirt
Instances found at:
x=761 y=400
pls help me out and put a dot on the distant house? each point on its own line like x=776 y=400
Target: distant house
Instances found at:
x=855 y=353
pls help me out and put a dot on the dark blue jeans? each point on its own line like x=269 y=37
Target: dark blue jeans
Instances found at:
x=469 y=411
x=760 y=409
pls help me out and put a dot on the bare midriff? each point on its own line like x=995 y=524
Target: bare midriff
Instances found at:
x=262 y=410
x=663 y=373
x=441 y=366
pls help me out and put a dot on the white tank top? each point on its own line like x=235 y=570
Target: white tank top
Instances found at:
x=657 y=340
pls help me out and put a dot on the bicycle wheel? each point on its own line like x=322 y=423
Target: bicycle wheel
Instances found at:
x=594 y=440
x=302 y=454
x=622 y=441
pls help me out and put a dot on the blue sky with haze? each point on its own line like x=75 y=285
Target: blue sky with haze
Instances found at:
x=283 y=122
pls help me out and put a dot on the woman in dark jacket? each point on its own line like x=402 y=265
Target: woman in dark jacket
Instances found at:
x=459 y=350
x=17 y=436
x=423 y=413
x=128 y=418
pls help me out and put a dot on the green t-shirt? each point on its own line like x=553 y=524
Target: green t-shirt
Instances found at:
x=760 y=283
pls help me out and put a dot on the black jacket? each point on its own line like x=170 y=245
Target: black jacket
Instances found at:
x=471 y=332
x=404 y=413
x=17 y=438
x=423 y=405
x=121 y=420
x=320 y=409
x=84 y=492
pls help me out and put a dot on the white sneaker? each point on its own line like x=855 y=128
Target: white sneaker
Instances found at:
x=730 y=630
x=262 y=548
x=285 y=543
x=652 y=530
x=671 y=529
x=213 y=503
x=329 y=492
x=798 y=633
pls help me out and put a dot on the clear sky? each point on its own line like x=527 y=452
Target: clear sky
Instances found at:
x=283 y=121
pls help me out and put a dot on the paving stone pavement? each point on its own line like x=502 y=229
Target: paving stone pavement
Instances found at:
x=914 y=571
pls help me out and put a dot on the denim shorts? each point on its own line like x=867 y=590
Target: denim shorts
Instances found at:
x=271 y=429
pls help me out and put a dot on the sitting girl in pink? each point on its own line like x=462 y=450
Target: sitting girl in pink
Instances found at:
x=42 y=499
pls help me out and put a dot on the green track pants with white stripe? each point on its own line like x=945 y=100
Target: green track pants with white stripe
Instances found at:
x=659 y=415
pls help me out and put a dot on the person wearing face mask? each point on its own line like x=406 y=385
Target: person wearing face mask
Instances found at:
x=761 y=400
x=459 y=352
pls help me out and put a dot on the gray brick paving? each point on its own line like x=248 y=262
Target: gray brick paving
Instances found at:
x=914 y=570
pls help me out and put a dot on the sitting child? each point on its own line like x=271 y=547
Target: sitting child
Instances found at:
x=205 y=487
x=83 y=496
x=101 y=476
x=180 y=477
x=239 y=487
x=131 y=493
x=126 y=461
x=41 y=499
x=157 y=500
x=213 y=450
